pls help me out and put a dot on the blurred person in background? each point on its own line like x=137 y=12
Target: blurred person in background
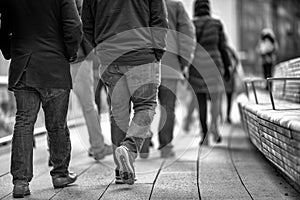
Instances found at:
x=82 y=72
x=181 y=44
x=266 y=48
x=204 y=78
x=39 y=74
x=230 y=83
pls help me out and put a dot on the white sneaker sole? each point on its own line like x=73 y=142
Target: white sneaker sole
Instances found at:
x=126 y=167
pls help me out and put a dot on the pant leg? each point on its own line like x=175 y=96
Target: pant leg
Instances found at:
x=84 y=90
x=28 y=105
x=167 y=99
x=215 y=108
x=55 y=105
x=202 y=103
x=229 y=103
x=143 y=82
x=119 y=101
x=98 y=95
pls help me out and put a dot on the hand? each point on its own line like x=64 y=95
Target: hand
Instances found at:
x=72 y=59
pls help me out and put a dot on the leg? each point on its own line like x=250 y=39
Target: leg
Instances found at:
x=167 y=98
x=202 y=103
x=215 y=112
x=98 y=95
x=229 y=104
x=55 y=105
x=28 y=105
x=84 y=89
x=191 y=108
x=119 y=101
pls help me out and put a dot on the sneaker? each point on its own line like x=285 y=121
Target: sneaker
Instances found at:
x=61 y=182
x=106 y=151
x=167 y=152
x=125 y=160
x=118 y=179
x=21 y=190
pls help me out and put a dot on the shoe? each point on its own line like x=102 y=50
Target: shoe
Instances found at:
x=144 y=153
x=21 y=190
x=118 y=179
x=50 y=163
x=125 y=160
x=106 y=151
x=61 y=182
x=216 y=135
x=167 y=152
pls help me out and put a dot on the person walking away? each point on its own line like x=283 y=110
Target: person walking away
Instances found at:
x=181 y=44
x=83 y=81
x=230 y=84
x=129 y=37
x=210 y=54
x=266 y=48
x=45 y=36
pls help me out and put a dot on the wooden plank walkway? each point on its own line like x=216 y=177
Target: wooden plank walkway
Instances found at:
x=233 y=169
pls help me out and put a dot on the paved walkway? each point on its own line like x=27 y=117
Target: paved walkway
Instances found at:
x=233 y=169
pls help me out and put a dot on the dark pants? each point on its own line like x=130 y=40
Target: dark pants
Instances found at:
x=167 y=99
x=202 y=103
x=99 y=87
x=55 y=105
x=267 y=68
x=229 y=104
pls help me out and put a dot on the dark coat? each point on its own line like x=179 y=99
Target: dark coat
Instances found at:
x=45 y=35
x=181 y=41
x=4 y=32
x=120 y=30
x=211 y=57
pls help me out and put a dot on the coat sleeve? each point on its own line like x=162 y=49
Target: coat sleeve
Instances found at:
x=71 y=25
x=159 y=26
x=186 y=36
x=5 y=36
x=88 y=21
x=223 y=48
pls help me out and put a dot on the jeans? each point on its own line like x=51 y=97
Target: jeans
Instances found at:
x=131 y=84
x=83 y=79
x=167 y=99
x=55 y=105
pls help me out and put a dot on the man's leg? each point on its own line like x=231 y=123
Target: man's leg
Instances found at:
x=55 y=105
x=28 y=105
x=143 y=82
x=119 y=101
x=167 y=98
x=84 y=90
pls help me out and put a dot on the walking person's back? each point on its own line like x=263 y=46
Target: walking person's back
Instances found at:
x=129 y=36
x=211 y=62
x=45 y=36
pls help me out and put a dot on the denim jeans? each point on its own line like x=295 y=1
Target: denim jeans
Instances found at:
x=55 y=105
x=167 y=99
x=131 y=84
x=83 y=81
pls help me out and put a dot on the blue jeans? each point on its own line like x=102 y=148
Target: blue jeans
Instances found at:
x=131 y=84
x=55 y=105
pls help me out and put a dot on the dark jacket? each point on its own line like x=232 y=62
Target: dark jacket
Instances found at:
x=120 y=30
x=211 y=56
x=181 y=41
x=4 y=32
x=45 y=35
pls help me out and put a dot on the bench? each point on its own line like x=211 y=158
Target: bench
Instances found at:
x=272 y=118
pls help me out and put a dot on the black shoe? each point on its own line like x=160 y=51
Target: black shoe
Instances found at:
x=125 y=159
x=228 y=120
x=61 y=182
x=21 y=190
